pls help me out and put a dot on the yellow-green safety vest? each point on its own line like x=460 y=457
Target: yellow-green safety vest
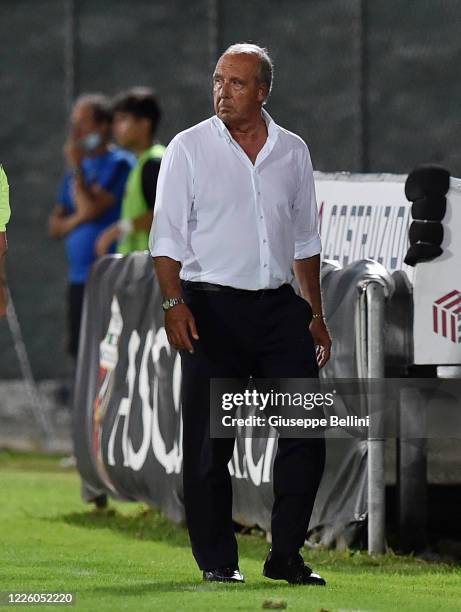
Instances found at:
x=4 y=200
x=134 y=203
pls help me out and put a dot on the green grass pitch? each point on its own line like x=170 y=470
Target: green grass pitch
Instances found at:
x=131 y=558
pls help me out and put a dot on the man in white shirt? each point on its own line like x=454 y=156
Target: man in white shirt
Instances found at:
x=235 y=212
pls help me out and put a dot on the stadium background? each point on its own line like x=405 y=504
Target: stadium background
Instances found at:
x=372 y=85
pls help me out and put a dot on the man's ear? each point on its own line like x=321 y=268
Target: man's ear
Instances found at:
x=262 y=93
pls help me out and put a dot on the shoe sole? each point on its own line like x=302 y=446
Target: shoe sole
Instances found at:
x=274 y=576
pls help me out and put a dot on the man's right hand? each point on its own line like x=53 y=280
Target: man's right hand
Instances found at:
x=180 y=327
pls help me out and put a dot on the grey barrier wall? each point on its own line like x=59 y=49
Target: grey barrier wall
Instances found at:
x=372 y=85
x=127 y=424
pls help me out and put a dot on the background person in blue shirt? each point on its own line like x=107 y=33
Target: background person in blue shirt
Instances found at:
x=89 y=197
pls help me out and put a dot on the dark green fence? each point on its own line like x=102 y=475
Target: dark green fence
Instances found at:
x=372 y=85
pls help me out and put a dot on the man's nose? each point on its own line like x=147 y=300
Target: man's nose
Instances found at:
x=225 y=89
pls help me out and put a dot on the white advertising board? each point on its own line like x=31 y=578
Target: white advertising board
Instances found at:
x=368 y=216
x=437 y=293
x=364 y=216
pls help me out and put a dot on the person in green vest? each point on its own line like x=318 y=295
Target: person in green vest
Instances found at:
x=136 y=116
x=4 y=218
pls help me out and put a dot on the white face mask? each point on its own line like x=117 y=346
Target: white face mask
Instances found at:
x=90 y=142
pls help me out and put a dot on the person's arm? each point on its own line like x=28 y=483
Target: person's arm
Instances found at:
x=168 y=240
x=3 y=288
x=179 y=320
x=64 y=218
x=119 y=230
x=307 y=272
x=91 y=201
x=60 y=223
x=306 y=265
x=116 y=231
x=149 y=178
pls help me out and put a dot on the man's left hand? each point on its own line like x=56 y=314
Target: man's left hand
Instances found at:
x=322 y=341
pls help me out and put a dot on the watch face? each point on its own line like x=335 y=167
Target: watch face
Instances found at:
x=167 y=304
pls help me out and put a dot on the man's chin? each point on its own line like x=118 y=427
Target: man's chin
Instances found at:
x=224 y=114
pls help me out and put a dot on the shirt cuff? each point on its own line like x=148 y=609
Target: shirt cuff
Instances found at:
x=165 y=247
x=308 y=248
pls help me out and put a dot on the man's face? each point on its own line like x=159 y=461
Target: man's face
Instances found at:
x=237 y=93
x=128 y=130
x=83 y=123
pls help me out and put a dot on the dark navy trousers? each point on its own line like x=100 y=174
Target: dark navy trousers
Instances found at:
x=264 y=335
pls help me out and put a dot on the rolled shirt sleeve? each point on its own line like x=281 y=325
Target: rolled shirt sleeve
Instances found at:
x=173 y=202
x=306 y=220
x=4 y=200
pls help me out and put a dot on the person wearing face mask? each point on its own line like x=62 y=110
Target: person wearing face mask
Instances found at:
x=4 y=218
x=89 y=197
x=89 y=200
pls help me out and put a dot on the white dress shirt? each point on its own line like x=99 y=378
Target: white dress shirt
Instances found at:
x=228 y=221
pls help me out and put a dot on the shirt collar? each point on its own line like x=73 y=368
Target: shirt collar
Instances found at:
x=272 y=127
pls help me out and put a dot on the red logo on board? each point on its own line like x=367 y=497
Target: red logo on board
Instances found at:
x=446 y=313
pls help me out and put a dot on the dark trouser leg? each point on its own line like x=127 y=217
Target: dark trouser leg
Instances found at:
x=289 y=352
x=75 y=294
x=298 y=468
x=206 y=479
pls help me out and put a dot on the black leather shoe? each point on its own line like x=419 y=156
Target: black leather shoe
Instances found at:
x=100 y=502
x=223 y=574
x=292 y=569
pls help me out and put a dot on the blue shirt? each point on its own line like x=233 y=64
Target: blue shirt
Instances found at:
x=110 y=171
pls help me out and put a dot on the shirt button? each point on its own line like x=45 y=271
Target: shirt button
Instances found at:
x=261 y=217
x=259 y=193
x=265 y=265
x=264 y=241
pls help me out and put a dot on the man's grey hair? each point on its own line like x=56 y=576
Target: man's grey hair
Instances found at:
x=266 y=66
